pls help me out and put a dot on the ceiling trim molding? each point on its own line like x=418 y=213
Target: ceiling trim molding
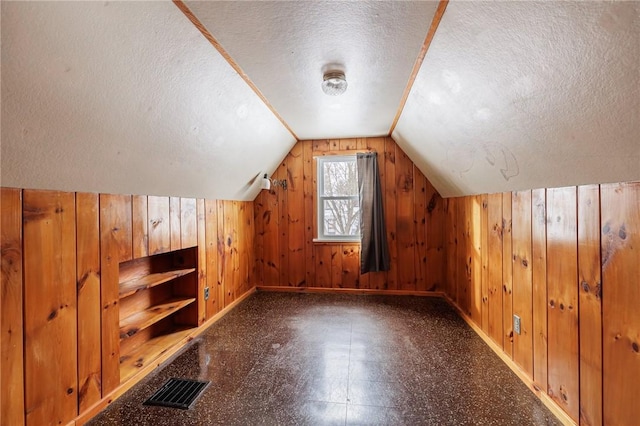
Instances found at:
x=437 y=17
x=196 y=22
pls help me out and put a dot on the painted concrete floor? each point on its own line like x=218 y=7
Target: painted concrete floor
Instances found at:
x=325 y=359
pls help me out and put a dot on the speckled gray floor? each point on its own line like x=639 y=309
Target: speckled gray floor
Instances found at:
x=324 y=359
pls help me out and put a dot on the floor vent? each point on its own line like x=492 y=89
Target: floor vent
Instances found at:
x=177 y=393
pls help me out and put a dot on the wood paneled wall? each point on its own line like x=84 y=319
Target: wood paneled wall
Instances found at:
x=286 y=254
x=567 y=262
x=59 y=300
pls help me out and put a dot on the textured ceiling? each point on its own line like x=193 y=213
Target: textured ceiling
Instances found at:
x=129 y=97
x=521 y=95
x=283 y=47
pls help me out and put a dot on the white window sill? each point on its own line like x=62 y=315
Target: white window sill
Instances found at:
x=337 y=240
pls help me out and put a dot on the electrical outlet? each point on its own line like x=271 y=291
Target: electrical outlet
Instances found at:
x=516 y=324
x=206 y=293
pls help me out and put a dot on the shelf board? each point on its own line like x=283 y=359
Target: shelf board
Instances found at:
x=132 y=324
x=149 y=351
x=130 y=287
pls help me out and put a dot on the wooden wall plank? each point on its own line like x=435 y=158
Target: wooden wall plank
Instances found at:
x=188 y=223
x=174 y=223
x=435 y=236
x=230 y=220
x=336 y=266
x=323 y=268
x=539 y=284
x=89 y=310
x=113 y=226
x=390 y=195
x=484 y=255
x=507 y=276
x=249 y=241
x=283 y=225
x=494 y=274
x=140 y=226
x=236 y=233
x=11 y=315
x=590 y=306
x=211 y=243
x=296 y=275
x=452 y=247
x=258 y=211
x=202 y=259
x=350 y=266
x=271 y=225
x=159 y=227
x=522 y=280
x=50 y=358
x=620 y=250
x=474 y=253
x=223 y=255
x=463 y=260
x=405 y=226
x=308 y=190
x=562 y=283
x=420 y=224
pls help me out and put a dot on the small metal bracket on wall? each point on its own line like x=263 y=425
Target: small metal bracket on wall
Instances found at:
x=206 y=293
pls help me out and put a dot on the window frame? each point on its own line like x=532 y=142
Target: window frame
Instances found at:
x=319 y=190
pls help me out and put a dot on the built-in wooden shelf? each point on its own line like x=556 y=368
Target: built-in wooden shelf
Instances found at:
x=130 y=287
x=140 y=320
x=146 y=353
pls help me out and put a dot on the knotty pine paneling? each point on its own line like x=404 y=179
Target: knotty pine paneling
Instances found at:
x=285 y=225
x=88 y=287
x=522 y=280
x=11 y=298
x=64 y=360
x=484 y=255
x=507 y=276
x=202 y=259
x=539 y=286
x=296 y=276
x=159 y=227
x=494 y=273
x=188 y=223
x=115 y=232
x=390 y=205
x=590 y=305
x=174 y=223
x=580 y=328
x=435 y=240
x=620 y=251
x=140 y=226
x=50 y=315
x=213 y=303
x=562 y=306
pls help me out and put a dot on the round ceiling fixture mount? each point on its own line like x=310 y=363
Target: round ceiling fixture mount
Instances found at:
x=334 y=83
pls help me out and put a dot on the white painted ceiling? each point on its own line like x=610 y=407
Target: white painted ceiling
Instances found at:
x=129 y=97
x=521 y=95
x=284 y=47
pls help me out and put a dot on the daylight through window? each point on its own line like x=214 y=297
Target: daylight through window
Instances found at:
x=338 y=208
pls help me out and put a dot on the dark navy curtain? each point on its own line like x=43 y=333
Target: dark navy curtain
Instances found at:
x=374 y=251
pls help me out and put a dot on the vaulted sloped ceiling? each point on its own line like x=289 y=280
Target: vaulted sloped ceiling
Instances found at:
x=520 y=95
x=132 y=97
x=128 y=97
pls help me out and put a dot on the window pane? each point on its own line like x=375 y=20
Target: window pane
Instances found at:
x=341 y=217
x=340 y=178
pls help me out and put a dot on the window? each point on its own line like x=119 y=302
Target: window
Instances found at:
x=337 y=195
